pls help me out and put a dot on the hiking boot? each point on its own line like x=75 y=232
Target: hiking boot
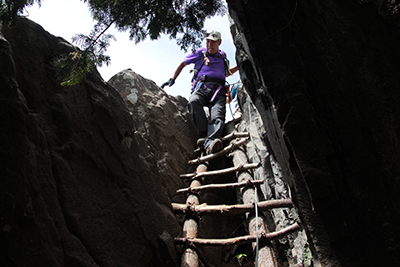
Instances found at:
x=200 y=142
x=214 y=147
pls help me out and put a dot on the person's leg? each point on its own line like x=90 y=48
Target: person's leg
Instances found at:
x=217 y=119
x=195 y=105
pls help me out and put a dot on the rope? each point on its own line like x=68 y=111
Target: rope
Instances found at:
x=255 y=188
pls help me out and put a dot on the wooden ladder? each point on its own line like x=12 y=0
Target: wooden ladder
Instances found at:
x=193 y=209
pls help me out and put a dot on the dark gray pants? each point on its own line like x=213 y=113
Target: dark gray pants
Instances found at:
x=212 y=128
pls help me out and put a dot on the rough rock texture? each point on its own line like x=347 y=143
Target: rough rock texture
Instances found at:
x=87 y=176
x=83 y=179
x=159 y=128
x=324 y=76
x=162 y=125
x=293 y=249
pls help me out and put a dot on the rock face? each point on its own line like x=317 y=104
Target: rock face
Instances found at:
x=163 y=126
x=293 y=249
x=323 y=76
x=86 y=178
x=88 y=171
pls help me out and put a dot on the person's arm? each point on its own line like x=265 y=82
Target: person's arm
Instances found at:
x=233 y=70
x=178 y=70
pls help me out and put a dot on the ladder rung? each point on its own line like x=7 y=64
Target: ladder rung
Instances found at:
x=219 y=172
x=218 y=186
x=239 y=240
x=231 y=209
x=234 y=135
x=228 y=148
x=227 y=138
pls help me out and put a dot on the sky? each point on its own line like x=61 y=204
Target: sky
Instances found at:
x=155 y=60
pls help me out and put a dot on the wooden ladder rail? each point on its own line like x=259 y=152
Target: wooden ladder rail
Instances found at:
x=266 y=254
x=191 y=224
x=192 y=209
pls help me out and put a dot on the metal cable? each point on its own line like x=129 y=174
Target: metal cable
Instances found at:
x=255 y=187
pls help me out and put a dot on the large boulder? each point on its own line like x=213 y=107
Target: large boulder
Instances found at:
x=84 y=180
x=163 y=121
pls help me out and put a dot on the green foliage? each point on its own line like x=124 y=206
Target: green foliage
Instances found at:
x=73 y=67
x=239 y=256
x=9 y=9
x=182 y=20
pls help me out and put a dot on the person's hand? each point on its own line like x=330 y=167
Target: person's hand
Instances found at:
x=170 y=82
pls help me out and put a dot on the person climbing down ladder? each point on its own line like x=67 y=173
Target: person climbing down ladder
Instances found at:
x=208 y=89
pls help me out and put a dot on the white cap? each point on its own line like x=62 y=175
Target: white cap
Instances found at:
x=213 y=35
